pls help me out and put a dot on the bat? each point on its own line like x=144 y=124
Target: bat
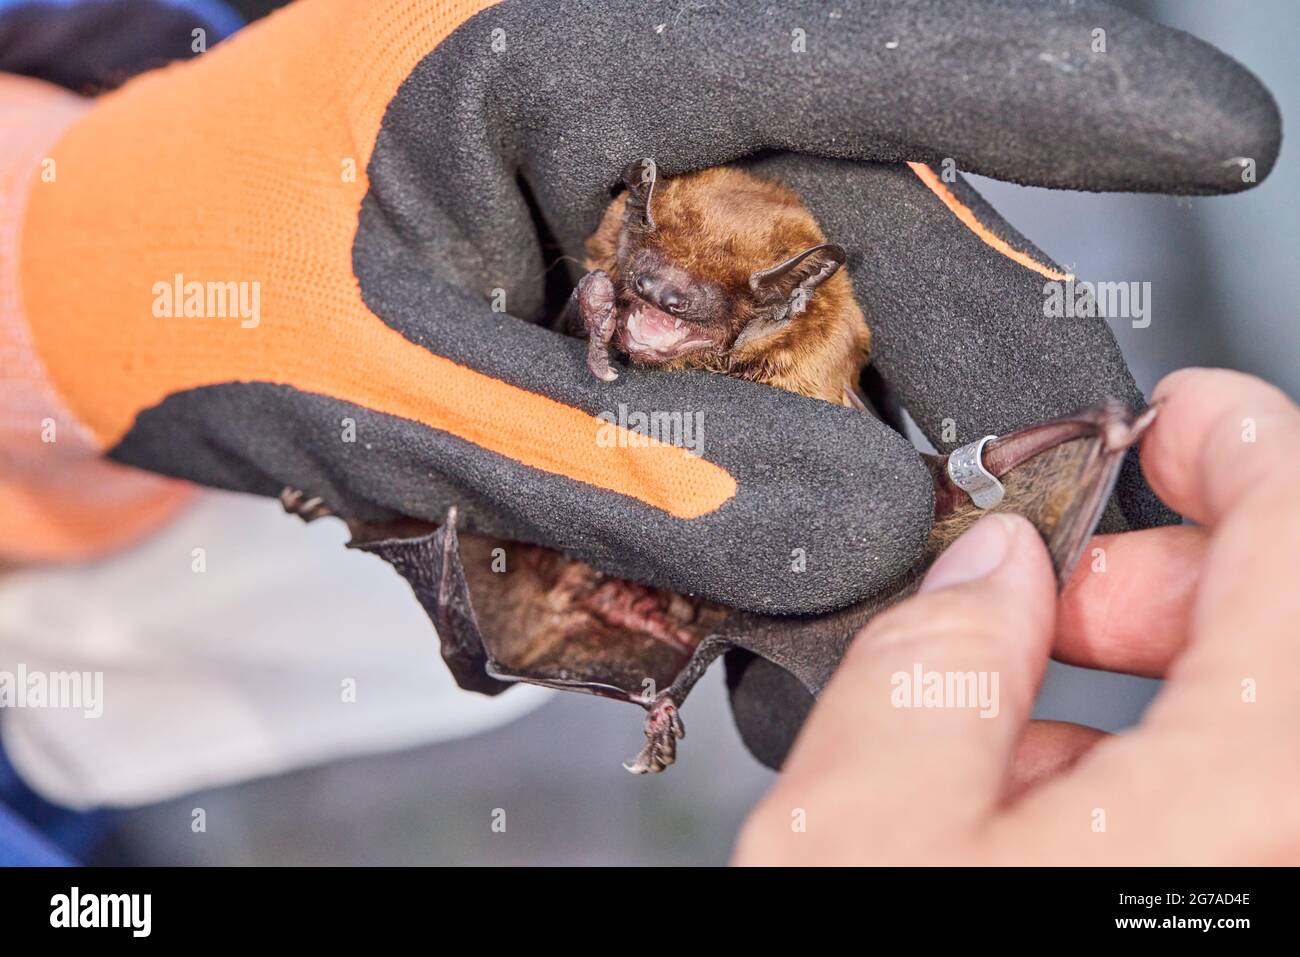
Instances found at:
x=729 y=273
x=725 y=272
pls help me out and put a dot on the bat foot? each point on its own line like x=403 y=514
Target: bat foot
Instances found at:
x=663 y=729
x=297 y=502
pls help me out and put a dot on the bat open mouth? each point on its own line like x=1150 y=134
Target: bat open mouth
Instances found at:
x=651 y=335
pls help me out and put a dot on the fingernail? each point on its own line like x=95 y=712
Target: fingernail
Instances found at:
x=976 y=554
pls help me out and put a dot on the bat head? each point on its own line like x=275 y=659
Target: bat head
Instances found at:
x=714 y=263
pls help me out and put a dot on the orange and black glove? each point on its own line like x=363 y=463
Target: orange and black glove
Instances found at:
x=313 y=257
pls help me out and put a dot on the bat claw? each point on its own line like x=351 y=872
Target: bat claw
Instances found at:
x=1120 y=432
x=663 y=728
x=296 y=502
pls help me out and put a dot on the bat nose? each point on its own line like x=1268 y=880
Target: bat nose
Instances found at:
x=662 y=293
x=673 y=300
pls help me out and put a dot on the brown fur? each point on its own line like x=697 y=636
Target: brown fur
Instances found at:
x=723 y=225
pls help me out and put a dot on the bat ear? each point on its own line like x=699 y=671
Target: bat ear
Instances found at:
x=640 y=177
x=789 y=286
x=797 y=277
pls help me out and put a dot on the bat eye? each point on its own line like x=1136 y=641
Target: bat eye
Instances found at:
x=641 y=285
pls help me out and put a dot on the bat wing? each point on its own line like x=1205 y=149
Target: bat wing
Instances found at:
x=507 y=612
x=1117 y=433
x=1058 y=474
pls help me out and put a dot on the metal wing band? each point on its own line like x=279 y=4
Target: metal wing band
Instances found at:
x=967 y=471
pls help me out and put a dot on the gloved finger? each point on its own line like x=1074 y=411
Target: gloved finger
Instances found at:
x=1128 y=605
x=768 y=705
x=561 y=100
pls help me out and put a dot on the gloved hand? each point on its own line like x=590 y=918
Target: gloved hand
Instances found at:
x=382 y=182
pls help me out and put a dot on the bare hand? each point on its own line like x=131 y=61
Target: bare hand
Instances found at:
x=1210 y=774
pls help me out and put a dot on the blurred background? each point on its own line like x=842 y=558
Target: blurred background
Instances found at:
x=414 y=771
